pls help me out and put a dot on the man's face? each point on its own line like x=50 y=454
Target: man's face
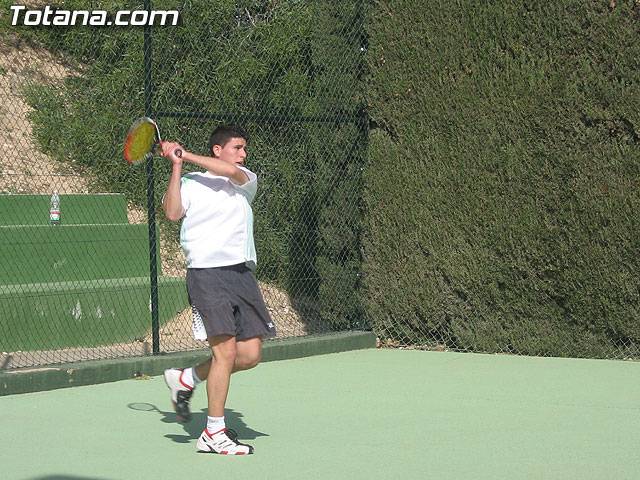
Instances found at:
x=234 y=151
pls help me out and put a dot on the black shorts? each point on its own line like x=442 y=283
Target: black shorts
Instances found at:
x=227 y=301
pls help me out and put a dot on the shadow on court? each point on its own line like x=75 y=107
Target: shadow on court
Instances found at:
x=66 y=477
x=194 y=428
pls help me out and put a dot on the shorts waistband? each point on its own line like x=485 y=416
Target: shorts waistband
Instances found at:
x=238 y=267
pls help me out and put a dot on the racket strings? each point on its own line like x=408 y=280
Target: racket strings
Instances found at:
x=141 y=142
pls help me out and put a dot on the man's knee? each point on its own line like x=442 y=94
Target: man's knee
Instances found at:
x=249 y=353
x=247 y=362
x=224 y=349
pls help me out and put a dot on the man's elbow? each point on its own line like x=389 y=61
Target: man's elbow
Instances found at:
x=172 y=215
x=239 y=177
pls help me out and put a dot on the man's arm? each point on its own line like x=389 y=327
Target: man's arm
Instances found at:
x=172 y=202
x=213 y=165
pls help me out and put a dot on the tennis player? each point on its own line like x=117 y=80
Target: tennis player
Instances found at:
x=228 y=309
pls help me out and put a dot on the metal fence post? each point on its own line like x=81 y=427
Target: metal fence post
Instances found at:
x=151 y=210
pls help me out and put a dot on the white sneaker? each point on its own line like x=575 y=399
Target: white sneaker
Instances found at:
x=223 y=442
x=180 y=393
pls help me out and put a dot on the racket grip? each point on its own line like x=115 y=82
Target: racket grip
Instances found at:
x=178 y=152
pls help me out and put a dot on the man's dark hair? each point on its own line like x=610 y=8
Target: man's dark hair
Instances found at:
x=224 y=133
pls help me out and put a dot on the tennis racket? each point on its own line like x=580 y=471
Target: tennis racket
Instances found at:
x=143 y=140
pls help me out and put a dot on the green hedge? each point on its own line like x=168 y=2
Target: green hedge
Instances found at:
x=502 y=175
x=340 y=149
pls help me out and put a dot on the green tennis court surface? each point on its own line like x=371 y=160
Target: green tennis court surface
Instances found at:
x=367 y=414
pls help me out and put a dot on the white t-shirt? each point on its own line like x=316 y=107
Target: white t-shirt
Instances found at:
x=217 y=227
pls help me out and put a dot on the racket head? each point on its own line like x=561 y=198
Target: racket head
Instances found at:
x=142 y=140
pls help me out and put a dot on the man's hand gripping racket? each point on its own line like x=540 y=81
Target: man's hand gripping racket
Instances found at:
x=143 y=140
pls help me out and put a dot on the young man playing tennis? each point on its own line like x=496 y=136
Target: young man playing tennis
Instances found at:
x=228 y=308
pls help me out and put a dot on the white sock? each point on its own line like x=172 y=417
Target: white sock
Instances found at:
x=215 y=424
x=187 y=377
x=196 y=380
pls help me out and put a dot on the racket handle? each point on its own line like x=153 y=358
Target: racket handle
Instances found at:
x=178 y=152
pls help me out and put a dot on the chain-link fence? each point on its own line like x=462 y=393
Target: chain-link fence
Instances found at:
x=108 y=278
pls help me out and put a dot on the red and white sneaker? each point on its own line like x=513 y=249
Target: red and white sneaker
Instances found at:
x=224 y=442
x=180 y=393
